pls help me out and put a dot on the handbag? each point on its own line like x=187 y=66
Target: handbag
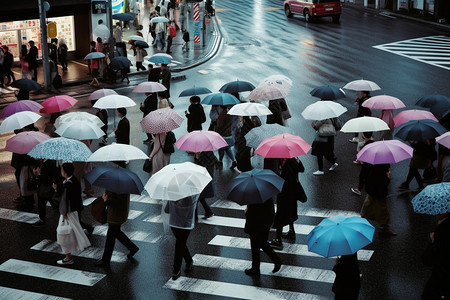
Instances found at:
x=320 y=139
x=147 y=167
x=64 y=228
x=32 y=181
x=98 y=210
x=327 y=129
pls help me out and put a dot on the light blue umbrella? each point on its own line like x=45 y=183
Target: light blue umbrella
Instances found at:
x=220 y=99
x=61 y=149
x=433 y=200
x=94 y=55
x=340 y=236
x=160 y=58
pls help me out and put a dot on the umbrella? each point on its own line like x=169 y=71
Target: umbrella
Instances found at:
x=61 y=149
x=177 y=181
x=102 y=31
x=254 y=187
x=94 y=55
x=362 y=85
x=159 y=20
x=200 y=140
x=385 y=152
x=220 y=99
x=322 y=110
x=141 y=44
x=23 y=142
x=79 y=130
x=57 y=104
x=419 y=130
x=364 y=124
x=433 y=199
x=149 y=87
x=78 y=116
x=22 y=105
x=19 y=120
x=114 y=101
x=340 y=236
x=194 y=91
x=249 y=109
x=255 y=136
x=413 y=114
x=119 y=63
x=26 y=84
x=136 y=38
x=160 y=58
x=444 y=139
x=123 y=17
x=267 y=92
x=115 y=179
x=117 y=152
x=282 y=80
x=383 y=102
x=432 y=99
x=328 y=92
x=101 y=93
x=237 y=87
x=161 y=120
x=441 y=109
x=283 y=145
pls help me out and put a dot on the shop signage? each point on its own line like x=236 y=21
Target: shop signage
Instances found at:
x=52 y=31
x=98 y=7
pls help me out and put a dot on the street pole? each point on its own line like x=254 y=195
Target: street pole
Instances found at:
x=109 y=21
x=45 y=58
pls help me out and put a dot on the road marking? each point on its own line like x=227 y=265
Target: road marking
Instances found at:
x=144 y=199
x=135 y=235
x=272 y=8
x=296 y=249
x=81 y=64
x=9 y=293
x=240 y=291
x=51 y=272
x=294 y=272
x=19 y=216
x=221 y=9
x=133 y=214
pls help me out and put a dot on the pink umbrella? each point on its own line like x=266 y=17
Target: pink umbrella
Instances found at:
x=283 y=145
x=383 y=102
x=199 y=140
x=57 y=104
x=161 y=120
x=385 y=152
x=413 y=114
x=149 y=87
x=444 y=139
x=22 y=105
x=23 y=142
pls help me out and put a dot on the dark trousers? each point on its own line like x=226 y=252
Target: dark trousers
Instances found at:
x=414 y=173
x=33 y=70
x=84 y=225
x=140 y=66
x=169 y=44
x=114 y=233
x=9 y=74
x=42 y=203
x=205 y=205
x=63 y=64
x=181 y=249
x=259 y=241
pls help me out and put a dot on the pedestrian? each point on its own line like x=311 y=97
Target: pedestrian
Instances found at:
x=53 y=51
x=81 y=168
x=46 y=173
x=213 y=114
x=195 y=114
x=24 y=62
x=347 y=282
x=122 y=132
x=27 y=187
x=7 y=65
x=243 y=152
x=153 y=73
x=362 y=111
x=32 y=60
x=150 y=104
x=92 y=43
x=259 y=219
x=124 y=74
x=152 y=26
x=157 y=156
x=160 y=34
x=171 y=34
x=166 y=77
x=323 y=145
x=140 y=54
x=186 y=39
x=102 y=114
x=120 y=45
x=224 y=128
x=208 y=160
x=95 y=65
x=277 y=108
x=368 y=139
x=162 y=102
x=62 y=54
x=387 y=116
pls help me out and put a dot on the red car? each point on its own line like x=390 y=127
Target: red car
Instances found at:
x=313 y=8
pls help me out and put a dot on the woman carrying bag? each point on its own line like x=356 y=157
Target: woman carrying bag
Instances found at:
x=323 y=145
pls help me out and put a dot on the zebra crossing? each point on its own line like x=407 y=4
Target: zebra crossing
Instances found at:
x=432 y=50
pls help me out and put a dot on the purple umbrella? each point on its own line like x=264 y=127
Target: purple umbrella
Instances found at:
x=22 y=105
x=23 y=142
x=385 y=152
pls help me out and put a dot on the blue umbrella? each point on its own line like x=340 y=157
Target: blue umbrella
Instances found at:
x=26 y=84
x=433 y=200
x=327 y=92
x=123 y=17
x=237 y=87
x=441 y=109
x=419 y=130
x=432 y=99
x=340 y=236
x=119 y=63
x=61 y=149
x=220 y=99
x=115 y=179
x=94 y=55
x=196 y=90
x=141 y=44
x=160 y=58
x=254 y=187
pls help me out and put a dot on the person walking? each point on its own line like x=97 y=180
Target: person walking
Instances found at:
x=150 y=104
x=46 y=173
x=139 y=58
x=362 y=111
x=27 y=190
x=208 y=160
x=276 y=107
x=7 y=65
x=243 y=152
x=122 y=132
x=368 y=139
x=95 y=65
x=171 y=34
x=224 y=128
x=92 y=43
x=163 y=102
x=157 y=156
x=166 y=77
x=195 y=114
x=323 y=145
x=160 y=33
x=153 y=73
x=62 y=54
x=347 y=282
x=24 y=62
x=32 y=60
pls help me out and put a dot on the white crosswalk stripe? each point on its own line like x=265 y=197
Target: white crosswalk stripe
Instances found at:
x=9 y=293
x=19 y=216
x=134 y=235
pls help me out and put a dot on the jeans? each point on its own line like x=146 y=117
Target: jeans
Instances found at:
x=181 y=249
x=228 y=151
x=159 y=38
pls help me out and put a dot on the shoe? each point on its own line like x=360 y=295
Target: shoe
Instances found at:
x=276 y=244
x=18 y=199
x=318 y=172
x=39 y=223
x=233 y=165
x=132 y=253
x=354 y=140
x=334 y=166
x=176 y=275
x=403 y=187
x=387 y=231
x=65 y=262
x=207 y=216
x=356 y=191
x=189 y=266
x=252 y=272
x=277 y=267
x=357 y=162
x=101 y=263
x=289 y=235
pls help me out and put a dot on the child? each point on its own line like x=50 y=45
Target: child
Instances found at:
x=186 y=41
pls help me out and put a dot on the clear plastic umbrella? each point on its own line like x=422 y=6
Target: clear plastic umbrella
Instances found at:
x=79 y=130
x=101 y=93
x=114 y=101
x=19 y=120
x=117 y=152
x=78 y=116
x=364 y=124
x=249 y=109
x=267 y=92
x=323 y=110
x=362 y=85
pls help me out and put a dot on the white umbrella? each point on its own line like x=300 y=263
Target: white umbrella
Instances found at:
x=101 y=93
x=114 y=101
x=19 y=120
x=322 y=110
x=117 y=152
x=177 y=181
x=278 y=79
x=78 y=116
x=149 y=87
x=102 y=31
x=364 y=124
x=268 y=91
x=249 y=109
x=79 y=130
x=136 y=38
x=362 y=85
x=159 y=20
x=94 y=55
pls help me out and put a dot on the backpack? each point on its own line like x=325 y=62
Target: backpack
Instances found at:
x=170 y=140
x=186 y=36
x=173 y=31
x=57 y=82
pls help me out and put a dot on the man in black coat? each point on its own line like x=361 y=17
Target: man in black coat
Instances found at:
x=165 y=77
x=195 y=114
x=123 y=127
x=150 y=104
x=46 y=173
x=153 y=73
x=32 y=60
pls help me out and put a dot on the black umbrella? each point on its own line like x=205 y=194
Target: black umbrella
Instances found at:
x=194 y=91
x=440 y=109
x=419 y=130
x=237 y=87
x=123 y=17
x=141 y=44
x=327 y=92
x=26 y=84
x=432 y=99
x=120 y=62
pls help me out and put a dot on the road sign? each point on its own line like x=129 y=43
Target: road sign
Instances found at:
x=52 y=32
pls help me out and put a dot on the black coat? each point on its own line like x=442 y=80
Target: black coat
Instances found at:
x=377 y=181
x=347 y=282
x=165 y=77
x=277 y=112
x=243 y=152
x=153 y=74
x=259 y=217
x=196 y=117
x=150 y=104
x=123 y=131
x=73 y=199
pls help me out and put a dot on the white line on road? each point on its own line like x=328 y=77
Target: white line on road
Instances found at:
x=135 y=235
x=9 y=293
x=19 y=216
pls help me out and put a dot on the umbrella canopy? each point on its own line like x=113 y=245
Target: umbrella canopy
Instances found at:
x=432 y=99
x=23 y=142
x=419 y=130
x=101 y=93
x=267 y=92
x=385 y=152
x=94 y=55
x=254 y=187
x=26 y=84
x=19 y=120
x=141 y=44
x=57 y=104
x=255 y=136
x=61 y=149
x=364 y=124
x=383 y=102
x=136 y=38
x=283 y=145
x=220 y=99
x=159 y=20
x=444 y=139
x=412 y=114
x=123 y=17
x=237 y=87
x=117 y=152
x=114 y=101
x=194 y=91
x=149 y=87
x=199 y=141
x=115 y=179
x=249 y=109
x=161 y=120
x=102 y=31
x=433 y=199
x=160 y=58
x=120 y=62
x=441 y=109
x=322 y=110
x=362 y=85
x=340 y=236
x=328 y=92
x=79 y=130
x=18 y=106
x=282 y=80
x=177 y=181
x=78 y=116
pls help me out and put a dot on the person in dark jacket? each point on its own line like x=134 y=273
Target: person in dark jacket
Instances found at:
x=165 y=77
x=223 y=127
x=208 y=160
x=32 y=60
x=153 y=73
x=243 y=152
x=347 y=282
x=102 y=114
x=195 y=114
x=123 y=127
x=367 y=136
x=277 y=108
x=150 y=104
x=7 y=65
x=46 y=173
